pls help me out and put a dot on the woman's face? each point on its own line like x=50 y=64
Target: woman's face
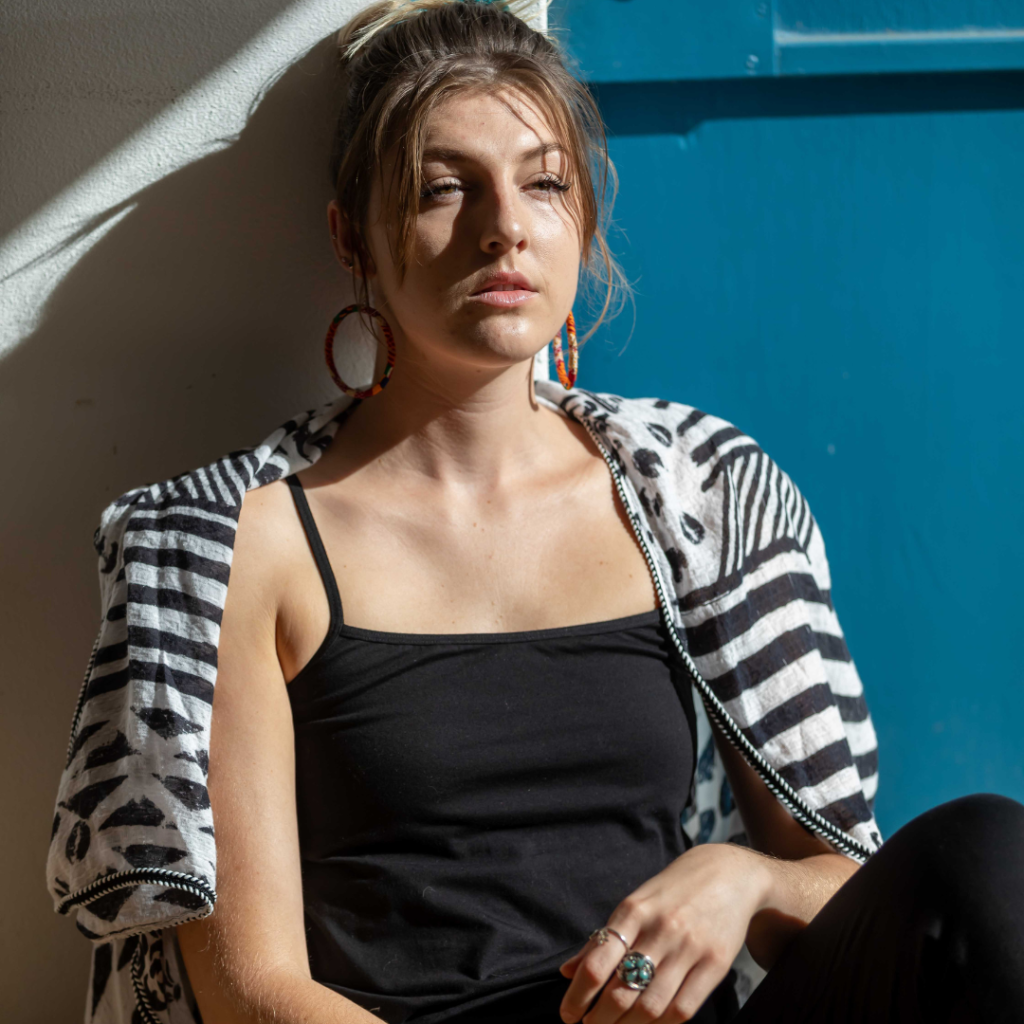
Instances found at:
x=493 y=202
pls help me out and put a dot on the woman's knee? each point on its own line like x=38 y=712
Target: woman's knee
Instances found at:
x=985 y=817
x=968 y=849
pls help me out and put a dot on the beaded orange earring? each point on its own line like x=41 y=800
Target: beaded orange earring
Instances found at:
x=389 y=341
x=567 y=379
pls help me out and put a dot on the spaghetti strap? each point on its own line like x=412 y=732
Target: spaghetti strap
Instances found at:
x=319 y=554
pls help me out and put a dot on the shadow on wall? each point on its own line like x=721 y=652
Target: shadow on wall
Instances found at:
x=192 y=328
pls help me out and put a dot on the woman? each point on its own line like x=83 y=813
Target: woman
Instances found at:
x=456 y=736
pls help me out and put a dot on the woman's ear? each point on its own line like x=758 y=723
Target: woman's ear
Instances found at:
x=341 y=239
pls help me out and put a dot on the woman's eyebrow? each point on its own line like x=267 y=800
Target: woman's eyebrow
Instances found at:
x=457 y=155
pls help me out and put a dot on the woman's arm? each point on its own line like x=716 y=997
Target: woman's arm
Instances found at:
x=803 y=873
x=693 y=917
x=247 y=962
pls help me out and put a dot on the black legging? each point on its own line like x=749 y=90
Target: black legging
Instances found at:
x=930 y=929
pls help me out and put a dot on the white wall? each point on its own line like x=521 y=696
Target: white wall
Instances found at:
x=167 y=282
x=165 y=285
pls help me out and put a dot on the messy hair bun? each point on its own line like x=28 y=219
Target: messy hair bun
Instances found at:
x=362 y=28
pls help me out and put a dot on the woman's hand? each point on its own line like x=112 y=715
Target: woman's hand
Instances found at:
x=691 y=919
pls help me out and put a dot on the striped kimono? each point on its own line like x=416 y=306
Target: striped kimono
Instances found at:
x=740 y=569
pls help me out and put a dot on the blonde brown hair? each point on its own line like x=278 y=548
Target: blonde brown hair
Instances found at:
x=401 y=58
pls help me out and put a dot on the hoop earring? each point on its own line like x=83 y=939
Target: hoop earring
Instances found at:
x=567 y=379
x=389 y=341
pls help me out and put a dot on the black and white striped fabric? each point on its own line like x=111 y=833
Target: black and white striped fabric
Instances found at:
x=728 y=534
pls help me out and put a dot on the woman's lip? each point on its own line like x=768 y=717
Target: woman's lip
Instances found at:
x=501 y=297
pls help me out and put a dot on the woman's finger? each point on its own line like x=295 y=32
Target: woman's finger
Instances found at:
x=568 y=969
x=669 y=949
x=701 y=981
x=596 y=964
x=619 y=1004
x=673 y=955
x=655 y=1000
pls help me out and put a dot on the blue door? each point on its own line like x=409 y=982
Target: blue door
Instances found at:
x=822 y=209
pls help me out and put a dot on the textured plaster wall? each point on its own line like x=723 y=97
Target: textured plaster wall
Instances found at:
x=165 y=283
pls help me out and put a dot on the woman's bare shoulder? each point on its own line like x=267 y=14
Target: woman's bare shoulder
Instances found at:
x=267 y=540
x=275 y=598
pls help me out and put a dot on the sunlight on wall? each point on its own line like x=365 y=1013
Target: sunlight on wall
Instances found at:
x=38 y=254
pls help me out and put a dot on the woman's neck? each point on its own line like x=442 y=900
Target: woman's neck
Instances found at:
x=476 y=428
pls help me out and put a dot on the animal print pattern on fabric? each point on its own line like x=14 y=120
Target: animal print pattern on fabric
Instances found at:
x=133 y=850
x=747 y=564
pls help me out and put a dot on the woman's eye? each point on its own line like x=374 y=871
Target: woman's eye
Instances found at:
x=551 y=184
x=439 y=188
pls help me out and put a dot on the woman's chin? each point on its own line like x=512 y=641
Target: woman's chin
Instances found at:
x=497 y=350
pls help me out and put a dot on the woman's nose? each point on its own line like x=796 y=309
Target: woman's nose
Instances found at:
x=504 y=228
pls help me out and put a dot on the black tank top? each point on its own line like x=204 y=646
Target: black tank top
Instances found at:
x=472 y=806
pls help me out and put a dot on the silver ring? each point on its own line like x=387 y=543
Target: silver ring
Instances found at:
x=635 y=970
x=600 y=935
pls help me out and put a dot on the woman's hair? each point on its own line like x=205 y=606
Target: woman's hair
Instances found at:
x=401 y=58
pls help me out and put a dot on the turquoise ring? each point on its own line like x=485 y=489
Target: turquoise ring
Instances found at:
x=635 y=970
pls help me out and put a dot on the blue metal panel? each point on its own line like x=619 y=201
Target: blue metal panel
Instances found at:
x=833 y=37
x=803 y=53
x=654 y=108
x=897 y=15
x=646 y=40
x=618 y=41
x=836 y=265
